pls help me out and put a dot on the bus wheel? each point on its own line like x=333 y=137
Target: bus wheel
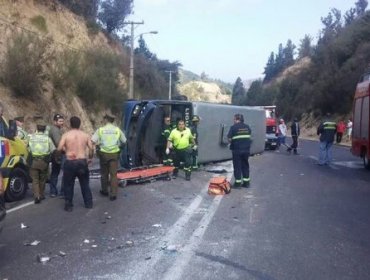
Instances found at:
x=366 y=161
x=17 y=185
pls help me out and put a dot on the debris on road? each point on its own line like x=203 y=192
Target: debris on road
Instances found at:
x=157 y=225
x=24 y=226
x=42 y=258
x=86 y=241
x=217 y=171
x=33 y=243
x=148 y=258
x=62 y=254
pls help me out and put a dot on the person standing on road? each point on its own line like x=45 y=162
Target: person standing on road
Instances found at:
x=167 y=160
x=109 y=139
x=349 y=130
x=341 y=128
x=282 y=133
x=77 y=146
x=181 y=140
x=40 y=146
x=239 y=137
x=21 y=133
x=55 y=133
x=326 y=130
x=194 y=131
x=295 y=132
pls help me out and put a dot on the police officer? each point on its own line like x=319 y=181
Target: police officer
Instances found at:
x=326 y=130
x=240 y=141
x=21 y=133
x=181 y=140
x=109 y=139
x=194 y=130
x=167 y=160
x=40 y=146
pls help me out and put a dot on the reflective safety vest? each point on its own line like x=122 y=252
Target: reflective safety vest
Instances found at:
x=109 y=139
x=39 y=144
x=180 y=139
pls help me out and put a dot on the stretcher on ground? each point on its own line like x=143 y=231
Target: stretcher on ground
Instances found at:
x=144 y=174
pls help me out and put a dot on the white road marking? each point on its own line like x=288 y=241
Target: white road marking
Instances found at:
x=177 y=268
x=19 y=207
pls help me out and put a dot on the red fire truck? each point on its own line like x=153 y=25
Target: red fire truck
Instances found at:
x=361 y=123
x=271 y=140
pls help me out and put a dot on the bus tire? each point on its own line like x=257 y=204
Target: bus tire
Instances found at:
x=17 y=185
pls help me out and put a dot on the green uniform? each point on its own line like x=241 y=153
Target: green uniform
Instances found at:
x=109 y=138
x=181 y=141
x=40 y=146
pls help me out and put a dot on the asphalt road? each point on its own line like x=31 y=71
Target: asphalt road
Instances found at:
x=298 y=220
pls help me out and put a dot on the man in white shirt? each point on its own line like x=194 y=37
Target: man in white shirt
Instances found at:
x=282 y=133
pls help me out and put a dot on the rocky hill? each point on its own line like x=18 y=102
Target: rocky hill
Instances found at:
x=62 y=29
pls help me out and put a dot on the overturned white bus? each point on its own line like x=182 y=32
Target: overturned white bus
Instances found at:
x=143 y=124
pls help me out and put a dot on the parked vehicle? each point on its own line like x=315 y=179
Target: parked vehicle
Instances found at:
x=271 y=140
x=361 y=122
x=142 y=124
x=14 y=158
x=2 y=205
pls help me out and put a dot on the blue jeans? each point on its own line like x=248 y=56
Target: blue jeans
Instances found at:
x=55 y=170
x=325 y=156
x=72 y=169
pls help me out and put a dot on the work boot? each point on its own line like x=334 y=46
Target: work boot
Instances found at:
x=246 y=184
x=37 y=200
x=68 y=207
x=112 y=198
x=237 y=185
x=175 y=172
x=187 y=176
x=289 y=150
x=104 y=193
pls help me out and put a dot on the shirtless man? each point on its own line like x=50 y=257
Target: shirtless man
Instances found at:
x=76 y=144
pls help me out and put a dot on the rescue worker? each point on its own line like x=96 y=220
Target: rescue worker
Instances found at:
x=109 y=139
x=21 y=133
x=167 y=160
x=40 y=146
x=295 y=132
x=3 y=124
x=55 y=133
x=181 y=140
x=239 y=137
x=194 y=131
x=326 y=130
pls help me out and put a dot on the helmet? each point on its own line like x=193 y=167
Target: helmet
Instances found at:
x=195 y=118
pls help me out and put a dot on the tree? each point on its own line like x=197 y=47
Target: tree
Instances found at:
x=113 y=14
x=144 y=50
x=238 y=95
x=349 y=16
x=305 y=48
x=288 y=54
x=270 y=68
x=332 y=25
x=254 y=92
x=361 y=6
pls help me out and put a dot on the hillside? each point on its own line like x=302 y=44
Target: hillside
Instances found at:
x=62 y=30
x=197 y=89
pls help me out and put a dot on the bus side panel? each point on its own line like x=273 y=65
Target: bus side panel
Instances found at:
x=216 y=119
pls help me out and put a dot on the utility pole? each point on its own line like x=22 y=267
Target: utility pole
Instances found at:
x=169 y=84
x=131 y=78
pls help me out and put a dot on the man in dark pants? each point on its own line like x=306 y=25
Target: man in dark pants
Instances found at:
x=181 y=140
x=240 y=141
x=55 y=133
x=109 y=138
x=326 y=130
x=295 y=131
x=75 y=143
x=167 y=160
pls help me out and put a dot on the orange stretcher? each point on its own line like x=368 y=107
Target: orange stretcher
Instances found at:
x=144 y=174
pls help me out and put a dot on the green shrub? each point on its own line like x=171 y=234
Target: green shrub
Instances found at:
x=92 y=27
x=40 y=23
x=21 y=68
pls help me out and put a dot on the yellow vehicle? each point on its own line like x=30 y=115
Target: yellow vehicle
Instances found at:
x=14 y=158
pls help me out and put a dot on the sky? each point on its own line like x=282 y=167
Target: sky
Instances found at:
x=227 y=39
